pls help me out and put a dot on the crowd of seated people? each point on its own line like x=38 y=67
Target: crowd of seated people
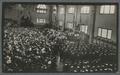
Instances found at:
x=30 y=50
x=87 y=66
x=10 y=22
x=36 y=50
x=104 y=41
x=98 y=59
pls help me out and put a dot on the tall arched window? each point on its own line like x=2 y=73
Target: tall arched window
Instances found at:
x=41 y=8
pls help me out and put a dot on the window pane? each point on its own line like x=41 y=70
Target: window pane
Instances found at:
x=99 y=31
x=41 y=20
x=82 y=10
x=86 y=27
x=109 y=34
x=102 y=9
x=71 y=10
x=104 y=33
x=82 y=28
x=112 y=9
x=107 y=9
x=61 y=10
x=85 y=9
x=42 y=6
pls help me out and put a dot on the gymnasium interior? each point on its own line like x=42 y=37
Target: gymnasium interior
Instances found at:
x=59 y=38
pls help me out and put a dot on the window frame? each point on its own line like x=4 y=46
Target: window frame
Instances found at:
x=109 y=10
x=84 y=29
x=41 y=9
x=54 y=9
x=43 y=22
x=106 y=34
x=84 y=9
x=100 y=32
x=73 y=12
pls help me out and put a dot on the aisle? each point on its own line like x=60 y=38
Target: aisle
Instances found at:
x=59 y=64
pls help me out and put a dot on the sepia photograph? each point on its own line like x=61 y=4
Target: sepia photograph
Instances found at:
x=59 y=38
